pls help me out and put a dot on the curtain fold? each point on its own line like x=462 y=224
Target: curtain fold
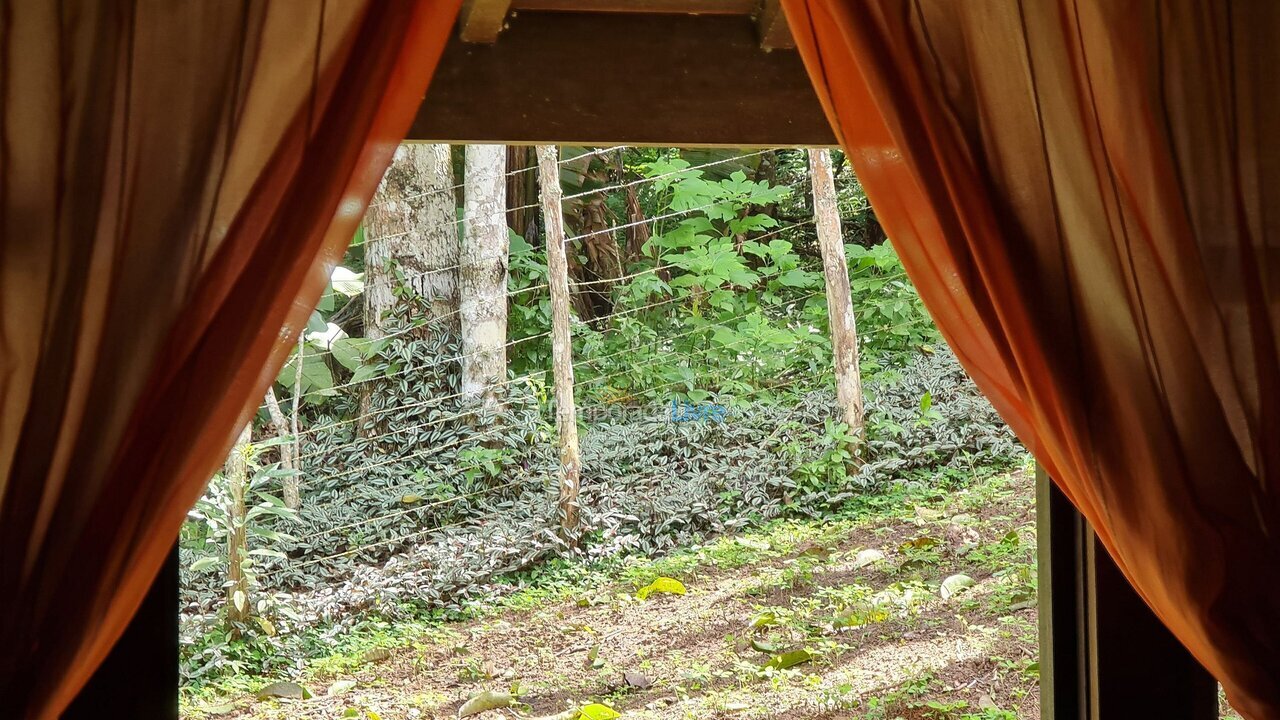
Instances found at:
x=176 y=182
x=1085 y=193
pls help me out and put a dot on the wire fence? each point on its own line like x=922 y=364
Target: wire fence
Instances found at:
x=366 y=435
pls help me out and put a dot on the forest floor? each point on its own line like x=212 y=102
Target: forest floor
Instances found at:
x=917 y=605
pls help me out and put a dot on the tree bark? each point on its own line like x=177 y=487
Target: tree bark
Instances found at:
x=522 y=191
x=412 y=227
x=844 y=331
x=297 y=398
x=483 y=277
x=637 y=230
x=589 y=218
x=237 y=474
x=288 y=454
x=561 y=344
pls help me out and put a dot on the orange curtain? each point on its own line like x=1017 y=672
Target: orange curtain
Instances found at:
x=1086 y=194
x=176 y=181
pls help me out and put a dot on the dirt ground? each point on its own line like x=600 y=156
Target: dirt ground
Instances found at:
x=926 y=611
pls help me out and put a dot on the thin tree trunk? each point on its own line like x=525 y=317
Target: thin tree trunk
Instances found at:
x=561 y=344
x=288 y=456
x=237 y=473
x=297 y=398
x=844 y=331
x=483 y=277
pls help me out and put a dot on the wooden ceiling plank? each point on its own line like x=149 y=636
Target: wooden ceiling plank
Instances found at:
x=480 y=21
x=772 y=26
x=621 y=79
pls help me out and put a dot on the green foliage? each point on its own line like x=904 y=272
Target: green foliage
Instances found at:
x=529 y=312
x=416 y=505
x=714 y=306
x=723 y=299
x=830 y=470
x=204 y=543
x=211 y=522
x=891 y=318
x=325 y=348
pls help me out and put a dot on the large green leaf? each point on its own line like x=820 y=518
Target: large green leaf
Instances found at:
x=596 y=711
x=289 y=690
x=204 y=563
x=485 y=701
x=798 y=278
x=789 y=659
x=317 y=380
x=316 y=323
x=662 y=585
x=350 y=352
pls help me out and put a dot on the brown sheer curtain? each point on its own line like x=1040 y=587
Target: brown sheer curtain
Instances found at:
x=176 y=180
x=1087 y=194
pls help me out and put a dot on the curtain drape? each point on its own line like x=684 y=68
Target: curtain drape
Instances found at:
x=1086 y=194
x=176 y=181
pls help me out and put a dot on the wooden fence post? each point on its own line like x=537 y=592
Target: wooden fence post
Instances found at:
x=835 y=269
x=561 y=344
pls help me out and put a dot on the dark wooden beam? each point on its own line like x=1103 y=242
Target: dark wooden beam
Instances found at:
x=679 y=7
x=480 y=21
x=1059 y=564
x=1103 y=653
x=607 y=78
x=771 y=24
x=1137 y=667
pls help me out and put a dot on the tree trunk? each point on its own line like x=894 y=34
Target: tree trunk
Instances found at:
x=561 y=344
x=237 y=473
x=483 y=277
x=844 y=331
x=297 y=398
x=590 y=219
x=412 y=226
x=637 y=230
x=522 y=191
x=288 y=454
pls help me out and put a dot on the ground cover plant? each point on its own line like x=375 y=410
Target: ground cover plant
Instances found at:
x=916 y=603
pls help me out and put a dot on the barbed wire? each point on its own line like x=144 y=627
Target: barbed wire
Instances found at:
x=507 y=174
x=564 y=161
x=523 y=378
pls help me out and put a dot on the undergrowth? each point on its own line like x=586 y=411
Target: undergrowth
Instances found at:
x=566 y=579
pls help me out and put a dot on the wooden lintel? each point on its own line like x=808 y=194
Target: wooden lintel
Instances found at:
x=480 y=21
x=771 y=24
x=678 y=7
x=610 y=78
